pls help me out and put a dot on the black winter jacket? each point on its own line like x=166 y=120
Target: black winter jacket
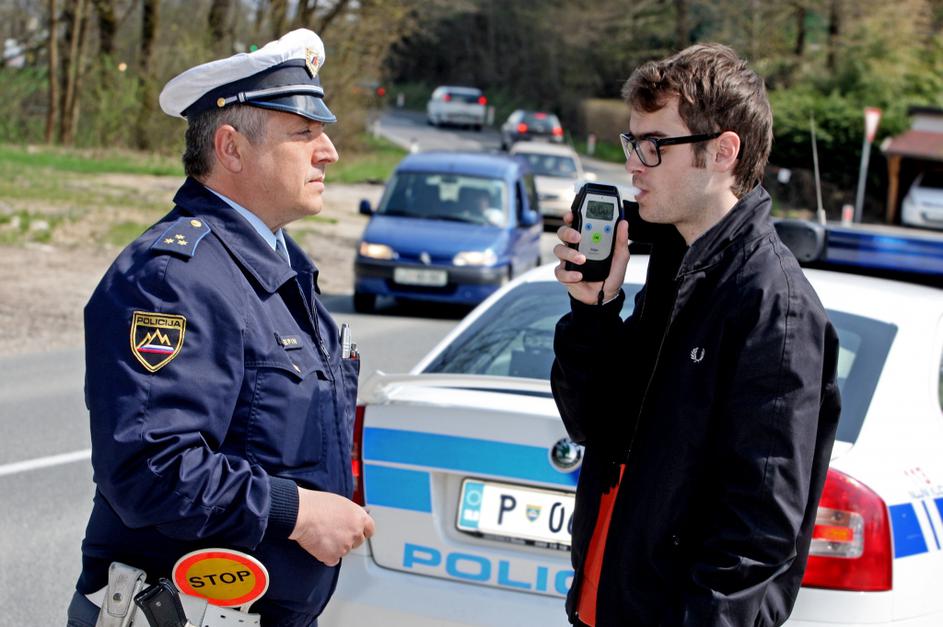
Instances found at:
x=719 y=394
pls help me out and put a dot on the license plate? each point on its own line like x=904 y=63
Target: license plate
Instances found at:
x=516 y=513
x=420 y=276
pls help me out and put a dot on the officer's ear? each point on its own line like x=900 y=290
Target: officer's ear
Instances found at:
x=229 y=144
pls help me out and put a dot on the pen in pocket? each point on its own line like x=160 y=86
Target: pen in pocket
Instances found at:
x=345 y=341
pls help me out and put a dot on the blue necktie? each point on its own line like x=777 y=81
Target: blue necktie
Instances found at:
x=280 y=249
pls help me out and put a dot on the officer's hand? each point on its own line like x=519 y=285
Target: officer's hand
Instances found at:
x=573 y=280
x=330 y=526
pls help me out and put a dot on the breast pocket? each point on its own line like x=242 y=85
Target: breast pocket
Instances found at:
x=284 y=431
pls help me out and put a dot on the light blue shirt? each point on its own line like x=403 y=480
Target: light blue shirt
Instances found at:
x=270 y=238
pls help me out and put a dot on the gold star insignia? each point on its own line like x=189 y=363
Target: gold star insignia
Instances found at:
x=178 y=236
x=182 y=242
x=169 y=240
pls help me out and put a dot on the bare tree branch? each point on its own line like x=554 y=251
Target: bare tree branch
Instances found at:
x=53 y=112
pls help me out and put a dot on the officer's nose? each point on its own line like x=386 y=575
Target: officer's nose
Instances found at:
x=325 y=151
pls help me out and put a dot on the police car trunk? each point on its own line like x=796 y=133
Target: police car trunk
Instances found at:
x=469 y=479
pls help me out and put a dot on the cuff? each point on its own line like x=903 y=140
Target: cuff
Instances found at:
x=284 y=511
x=593 y=313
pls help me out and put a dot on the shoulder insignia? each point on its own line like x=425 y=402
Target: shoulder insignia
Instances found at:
x=182 y=237
x=156 y=338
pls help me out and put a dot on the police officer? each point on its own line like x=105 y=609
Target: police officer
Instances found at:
x=221 y=405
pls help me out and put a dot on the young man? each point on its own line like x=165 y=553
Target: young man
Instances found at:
x=221 y=407
x=708 y=415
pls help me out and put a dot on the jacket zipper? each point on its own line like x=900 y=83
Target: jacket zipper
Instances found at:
x=648 y=385
x=317 y=330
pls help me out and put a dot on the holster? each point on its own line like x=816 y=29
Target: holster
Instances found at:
x=118 y=605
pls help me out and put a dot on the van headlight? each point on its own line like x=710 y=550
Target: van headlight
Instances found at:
x=377 y=251
x=475 y=258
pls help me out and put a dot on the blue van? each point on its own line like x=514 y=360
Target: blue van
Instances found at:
x=451 y=227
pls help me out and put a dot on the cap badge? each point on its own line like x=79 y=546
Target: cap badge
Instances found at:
x=311 y=61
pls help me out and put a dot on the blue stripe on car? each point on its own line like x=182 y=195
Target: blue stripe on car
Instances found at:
x=932 y=526
x=396 y=487
x=908 y=537
x=467 y=455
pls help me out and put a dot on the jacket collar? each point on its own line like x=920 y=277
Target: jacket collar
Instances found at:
x=241 y=240
x=748 y=220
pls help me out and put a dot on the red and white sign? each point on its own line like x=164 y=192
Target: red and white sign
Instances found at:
x=872 y=117
x=221 y=576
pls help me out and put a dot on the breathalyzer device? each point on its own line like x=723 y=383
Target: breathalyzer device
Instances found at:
x=597 y=209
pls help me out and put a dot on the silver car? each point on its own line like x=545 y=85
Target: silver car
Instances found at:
x=557 y=173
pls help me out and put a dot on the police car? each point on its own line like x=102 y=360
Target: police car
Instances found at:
x=465 y=465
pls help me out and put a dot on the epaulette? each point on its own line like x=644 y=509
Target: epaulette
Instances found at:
x=182 y=237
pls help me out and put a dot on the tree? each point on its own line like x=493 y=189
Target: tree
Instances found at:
x=107 y=27
x=150 y=17
x=52 y=112
x=75 y=34
x=218 y=24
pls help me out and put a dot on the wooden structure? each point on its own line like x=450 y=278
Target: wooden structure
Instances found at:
x=910 y=153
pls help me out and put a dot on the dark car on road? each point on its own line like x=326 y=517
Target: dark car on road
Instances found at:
x=530 y=125
x=451 y=227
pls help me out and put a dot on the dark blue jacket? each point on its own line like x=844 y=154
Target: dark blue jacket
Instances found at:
x=719 y=394
x=214 y=384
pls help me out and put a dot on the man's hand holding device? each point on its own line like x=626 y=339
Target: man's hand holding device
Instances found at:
x=594 y=251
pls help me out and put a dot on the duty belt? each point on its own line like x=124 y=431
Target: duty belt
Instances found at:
x=118 y=609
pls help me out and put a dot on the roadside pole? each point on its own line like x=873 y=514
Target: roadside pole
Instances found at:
x=872 y=117
x=820 y=210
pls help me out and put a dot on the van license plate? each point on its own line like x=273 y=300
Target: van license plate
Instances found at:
x=516 y=513
x=420 y=276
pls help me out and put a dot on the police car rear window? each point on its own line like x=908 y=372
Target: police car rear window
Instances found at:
x=515 y=338
x=865 y=343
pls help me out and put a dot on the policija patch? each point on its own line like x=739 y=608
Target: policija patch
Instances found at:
x=156 y=338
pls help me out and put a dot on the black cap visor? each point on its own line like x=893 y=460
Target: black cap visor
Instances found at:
x=305 y=105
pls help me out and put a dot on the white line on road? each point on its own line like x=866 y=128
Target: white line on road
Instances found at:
x=45 y=462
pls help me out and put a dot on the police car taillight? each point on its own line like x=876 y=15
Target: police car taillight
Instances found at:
x=356 y=456
x=522 y=128
x=482 y=100
x=851 y=542
x=557 y=131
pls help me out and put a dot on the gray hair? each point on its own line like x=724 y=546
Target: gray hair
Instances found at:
x=198 y=157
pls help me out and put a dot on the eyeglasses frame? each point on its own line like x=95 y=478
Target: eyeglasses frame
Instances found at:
x=628 y=139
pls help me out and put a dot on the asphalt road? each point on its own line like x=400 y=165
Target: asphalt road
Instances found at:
x=409 y=130
x=45 y=474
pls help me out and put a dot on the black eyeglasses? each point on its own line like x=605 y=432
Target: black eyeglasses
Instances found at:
x=648 y=149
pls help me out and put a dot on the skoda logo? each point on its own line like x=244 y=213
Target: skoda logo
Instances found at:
x=566 y=455
x=425 y=258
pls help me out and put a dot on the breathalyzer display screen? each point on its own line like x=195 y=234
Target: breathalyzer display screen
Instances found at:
x=597 y=210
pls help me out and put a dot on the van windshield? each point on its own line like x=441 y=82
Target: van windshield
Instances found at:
x=437 y=196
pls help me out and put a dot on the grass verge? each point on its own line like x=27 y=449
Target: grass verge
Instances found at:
x=372 y=162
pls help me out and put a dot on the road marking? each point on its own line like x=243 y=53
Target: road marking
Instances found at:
x=45 y=462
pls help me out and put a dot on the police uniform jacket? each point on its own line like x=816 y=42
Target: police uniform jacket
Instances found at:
x=215 y=385
x=719 y=395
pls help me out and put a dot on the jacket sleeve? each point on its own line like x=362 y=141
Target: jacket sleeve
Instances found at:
x=156 y=436
x=590 y=348
x=771 y=444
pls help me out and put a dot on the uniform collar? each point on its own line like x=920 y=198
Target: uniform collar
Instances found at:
x=241 y=238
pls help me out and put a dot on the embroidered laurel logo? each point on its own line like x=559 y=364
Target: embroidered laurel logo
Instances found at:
x=697 y=354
